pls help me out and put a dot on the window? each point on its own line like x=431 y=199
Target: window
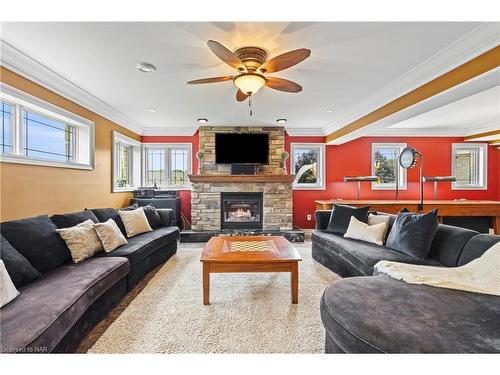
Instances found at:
x=126 y=163
x=36 y=132
x=384 y=157
x=469 y=165
x=308 y=165
x=47 y=138
x=7 y=126
x=167 y=165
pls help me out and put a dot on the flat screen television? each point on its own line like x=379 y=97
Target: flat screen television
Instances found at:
x=241 y=148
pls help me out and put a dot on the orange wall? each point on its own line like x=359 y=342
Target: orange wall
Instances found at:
x=28 y=190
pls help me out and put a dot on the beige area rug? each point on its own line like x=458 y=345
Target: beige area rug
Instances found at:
x=249 y=313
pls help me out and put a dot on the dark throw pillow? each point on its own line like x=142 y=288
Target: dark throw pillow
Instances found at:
x=19 y=269
x=154 y=218
x=72 y=219
x=412 y=233
x=104 y=214
x=37 y=240
x=341 y=216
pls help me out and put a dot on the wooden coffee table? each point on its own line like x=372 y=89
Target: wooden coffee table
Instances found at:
x=250 y=254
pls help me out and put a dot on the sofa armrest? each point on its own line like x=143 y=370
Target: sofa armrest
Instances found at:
x=167 y=217
x=322 y=219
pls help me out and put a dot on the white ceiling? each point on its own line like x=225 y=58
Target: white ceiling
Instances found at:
x=353 y=68
x=481 y=109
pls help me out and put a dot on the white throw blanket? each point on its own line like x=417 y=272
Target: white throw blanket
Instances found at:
x=482 y=275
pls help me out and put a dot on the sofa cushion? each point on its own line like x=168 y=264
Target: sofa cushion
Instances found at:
x=110 y=235
x=37 y=240
x=104 y=214
x=141 y=246
x=363 y=255
x=48 y=307
x=8 y=291
x=341 y=216
x=72 y=219
x=380 y=314
x=476 y=247
x=154 y=218
x=412 y=233
x=448 y=244
x=20 y=270
x=135 y=221
x=82 y=240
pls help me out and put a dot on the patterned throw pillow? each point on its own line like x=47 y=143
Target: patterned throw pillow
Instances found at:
x=82 y=240
x=135 y=222
x=110 y=235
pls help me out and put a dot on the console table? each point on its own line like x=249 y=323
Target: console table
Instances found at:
x=446 y=208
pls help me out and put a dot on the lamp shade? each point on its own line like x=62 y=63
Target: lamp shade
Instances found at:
x=249 y=83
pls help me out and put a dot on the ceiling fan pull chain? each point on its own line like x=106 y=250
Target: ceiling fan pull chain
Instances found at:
x=250 y=104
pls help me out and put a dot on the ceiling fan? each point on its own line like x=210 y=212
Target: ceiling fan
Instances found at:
x=252 y=65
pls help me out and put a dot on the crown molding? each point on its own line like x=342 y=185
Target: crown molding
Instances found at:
x=24 y=65
x=476 y=42
x=170 y=131
x=305 y=132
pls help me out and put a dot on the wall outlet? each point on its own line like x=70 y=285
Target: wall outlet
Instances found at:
x=308 y=217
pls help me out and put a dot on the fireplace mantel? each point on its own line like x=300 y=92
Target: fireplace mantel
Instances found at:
x=234 y=178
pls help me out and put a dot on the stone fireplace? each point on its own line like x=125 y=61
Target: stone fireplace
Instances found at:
x=221 y=201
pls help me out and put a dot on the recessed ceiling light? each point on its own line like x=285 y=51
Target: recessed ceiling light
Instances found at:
x=202 y=121
x=329 y=110
x=145 y=67
x=151 y=110
x=281 y=120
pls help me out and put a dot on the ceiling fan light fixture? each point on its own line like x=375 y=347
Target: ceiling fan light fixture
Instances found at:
x=249 y=83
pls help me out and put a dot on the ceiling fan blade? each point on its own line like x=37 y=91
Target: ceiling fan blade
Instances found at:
x=241 y=96
x=285 y=60
x=226 y=55
x=210 y=80
x=281 y=84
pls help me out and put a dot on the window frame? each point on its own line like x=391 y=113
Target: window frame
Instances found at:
x=403 y=182
x=167 y=147
x=483 y=147
x=22 y=103
x=12 y=125
x=321 y=183
x=135 y=155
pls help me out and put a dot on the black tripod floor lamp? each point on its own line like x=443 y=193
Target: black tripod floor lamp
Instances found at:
x=407 y=159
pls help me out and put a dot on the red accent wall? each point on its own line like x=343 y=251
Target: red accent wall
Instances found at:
x=185 y=194
x=354 y=158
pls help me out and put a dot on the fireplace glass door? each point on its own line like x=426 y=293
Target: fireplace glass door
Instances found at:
x=241 y=210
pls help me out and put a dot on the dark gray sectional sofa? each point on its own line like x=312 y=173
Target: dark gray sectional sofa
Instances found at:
x=56 y=311
x=370 y=313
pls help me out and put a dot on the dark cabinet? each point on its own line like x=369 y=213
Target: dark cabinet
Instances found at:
x=173 y=203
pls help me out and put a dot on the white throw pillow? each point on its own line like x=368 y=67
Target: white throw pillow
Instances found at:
x=110 y=235
x=7 y=289
x=135 y=222
x=377 y=219
x=82 y=240
x=369 y=233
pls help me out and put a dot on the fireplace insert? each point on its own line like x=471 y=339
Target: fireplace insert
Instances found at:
x=241 y=210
